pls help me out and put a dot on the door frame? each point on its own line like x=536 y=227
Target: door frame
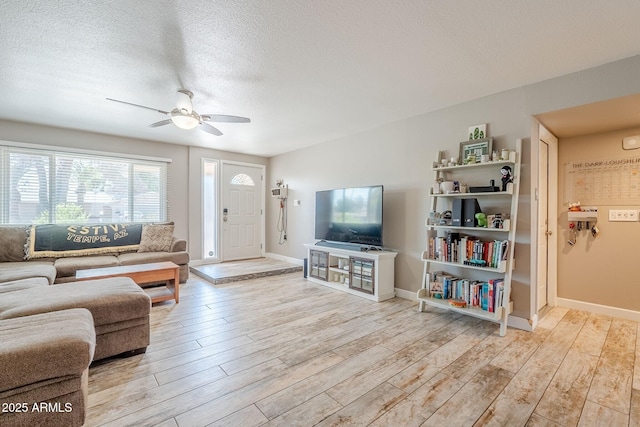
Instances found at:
x=263 y=190
x=542 y=247
x=217 y=201
x=538 y=132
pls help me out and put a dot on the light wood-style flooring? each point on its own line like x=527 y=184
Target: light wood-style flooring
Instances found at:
x=281 y=351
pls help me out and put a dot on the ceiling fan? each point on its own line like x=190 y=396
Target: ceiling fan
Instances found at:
x=184 y=116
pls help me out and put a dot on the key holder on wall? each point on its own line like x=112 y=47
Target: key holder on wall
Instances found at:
x=582 y=218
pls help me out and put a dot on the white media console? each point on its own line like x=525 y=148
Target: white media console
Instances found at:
x=368 y=274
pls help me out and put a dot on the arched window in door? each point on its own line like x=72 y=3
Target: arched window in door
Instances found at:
x=242 y=179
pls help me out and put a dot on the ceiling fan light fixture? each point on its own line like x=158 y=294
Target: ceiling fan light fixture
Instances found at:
x=184 y=117
x=185 y=121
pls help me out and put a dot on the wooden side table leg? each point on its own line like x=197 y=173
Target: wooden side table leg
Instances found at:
x=176 y=284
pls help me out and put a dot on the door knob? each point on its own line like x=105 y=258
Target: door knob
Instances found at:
x=548 y=233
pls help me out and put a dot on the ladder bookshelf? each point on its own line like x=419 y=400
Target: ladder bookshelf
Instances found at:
x=456 y=274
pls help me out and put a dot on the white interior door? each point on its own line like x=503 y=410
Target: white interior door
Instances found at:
x=547 y=271
x=242 y=198
x=543 y=224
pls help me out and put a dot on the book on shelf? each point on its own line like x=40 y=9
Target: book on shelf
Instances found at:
x=467 y=250
x=486 y=295
x=463 y=249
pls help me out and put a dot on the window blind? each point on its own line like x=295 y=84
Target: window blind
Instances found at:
x=47 y=186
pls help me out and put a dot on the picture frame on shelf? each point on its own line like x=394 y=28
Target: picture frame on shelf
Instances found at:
x=472 y=151
x=478 y=132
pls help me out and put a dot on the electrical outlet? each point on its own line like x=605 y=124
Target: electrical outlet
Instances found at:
x=624 y=215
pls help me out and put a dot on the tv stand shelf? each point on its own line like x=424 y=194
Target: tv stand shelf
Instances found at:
x=368 y=274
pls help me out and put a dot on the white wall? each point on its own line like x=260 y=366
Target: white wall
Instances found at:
x=399 y=156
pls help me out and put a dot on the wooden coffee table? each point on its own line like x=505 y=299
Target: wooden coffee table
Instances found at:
x=143 y=274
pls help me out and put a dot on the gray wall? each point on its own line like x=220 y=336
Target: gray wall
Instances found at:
x=399 y=156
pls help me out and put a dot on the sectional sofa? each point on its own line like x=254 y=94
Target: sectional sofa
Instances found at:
x=15 y=265
x=52 y=328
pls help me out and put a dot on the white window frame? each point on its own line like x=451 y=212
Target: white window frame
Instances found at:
x=6 y=147
x=206 y=221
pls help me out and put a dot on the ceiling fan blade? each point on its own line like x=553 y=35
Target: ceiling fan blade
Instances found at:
x=223 y=118
x=160 y=123
x=137 y=105
x=183 y=101
x=210 y=129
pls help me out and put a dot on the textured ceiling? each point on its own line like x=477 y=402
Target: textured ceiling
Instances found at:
x=303 y=71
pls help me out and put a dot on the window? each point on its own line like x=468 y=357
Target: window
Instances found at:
x=242 y=179
x=44 y=186
x=209 y=209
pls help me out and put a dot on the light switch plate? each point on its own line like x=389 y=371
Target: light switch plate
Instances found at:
x=631 y=142
x=624 y=215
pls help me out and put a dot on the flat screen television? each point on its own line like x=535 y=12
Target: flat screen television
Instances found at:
x=350 y=215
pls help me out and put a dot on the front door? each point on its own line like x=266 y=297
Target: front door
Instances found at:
x=242 y=195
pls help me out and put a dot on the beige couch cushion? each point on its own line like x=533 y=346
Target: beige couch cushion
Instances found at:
x=10 y=271
x=17 y=285
x=179 y=258
x=45 y=346
x=112 y=300
x=69 y=266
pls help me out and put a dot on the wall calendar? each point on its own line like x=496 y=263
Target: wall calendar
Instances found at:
x=603 y=182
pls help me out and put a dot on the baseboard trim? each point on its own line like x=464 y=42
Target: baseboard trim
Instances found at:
x=404 y=294
x=290 y=260
x=622 y=313
x=519 y=323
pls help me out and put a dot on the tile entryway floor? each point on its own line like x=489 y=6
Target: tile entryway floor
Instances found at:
x=235 y=271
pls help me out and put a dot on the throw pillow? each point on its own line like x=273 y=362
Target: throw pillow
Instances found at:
x=156 y=238
x=12 y=243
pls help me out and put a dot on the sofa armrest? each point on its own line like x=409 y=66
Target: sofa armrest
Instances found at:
x=178 y=245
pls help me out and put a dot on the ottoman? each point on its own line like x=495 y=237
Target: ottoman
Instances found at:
x=119 y=307
x=45 y=361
